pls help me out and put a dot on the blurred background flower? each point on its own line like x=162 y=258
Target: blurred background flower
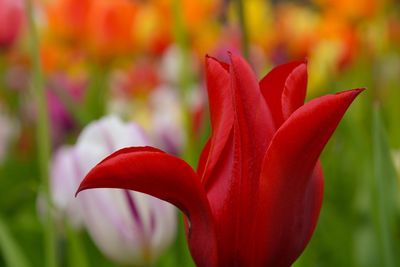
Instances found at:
x=12 y=17
x=129 y=227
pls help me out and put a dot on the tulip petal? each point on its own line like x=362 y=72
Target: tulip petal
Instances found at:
x=221 y=113
x=251 y=112
x=203 y=158
x=284 y=89
x=290 y=195
x=253 y=124
x=233 y=185
x=151 y=171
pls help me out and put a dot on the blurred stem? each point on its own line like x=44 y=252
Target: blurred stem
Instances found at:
x=186 y=78
x=79 y=115
x=95 y=96
x=76 y=248
x=2 y=70
x=43 y=138
x=384 y=189
x=244 y=37
x=183 y=257
x=182 y=43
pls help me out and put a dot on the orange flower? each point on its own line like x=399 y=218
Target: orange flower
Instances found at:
x=152 y=27
x=101 y=28
x=110 y=27
x=67 y=19
x=335 y=29
x=295 y=28
x=354 y=9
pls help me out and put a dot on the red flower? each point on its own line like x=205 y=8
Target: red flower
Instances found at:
x=257 y=193
x=11 y=22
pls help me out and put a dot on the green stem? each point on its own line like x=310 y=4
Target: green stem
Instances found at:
x=384 y=184
x=183 y=257
x=76 y=248
x=43 y=138
x=95 y=97
x=185 y=80
x=182 y=43
x=79 y=115
x=242 y=23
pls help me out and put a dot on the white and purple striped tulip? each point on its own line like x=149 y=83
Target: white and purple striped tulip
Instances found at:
x=129 y=227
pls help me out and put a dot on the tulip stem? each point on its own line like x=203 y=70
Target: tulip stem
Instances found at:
x=186 y=79
x=80 y=116
x=76 y=248
x=96 y=93
x=183 y=257
x=43 y=138
x=243 y=30
x=384 y=195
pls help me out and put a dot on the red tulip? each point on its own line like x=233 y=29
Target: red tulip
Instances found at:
x=11 y=22
x=257 y=193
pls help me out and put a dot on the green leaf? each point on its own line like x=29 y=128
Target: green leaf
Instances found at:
x=12 y=253
x=384 y=192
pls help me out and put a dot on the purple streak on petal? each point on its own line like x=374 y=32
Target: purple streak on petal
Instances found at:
x=152 y=222
x=134 y=210
x=131 y=202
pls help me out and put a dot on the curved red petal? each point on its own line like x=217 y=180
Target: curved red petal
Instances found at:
x=284 y=89
x=290 y=195
x=151 y=171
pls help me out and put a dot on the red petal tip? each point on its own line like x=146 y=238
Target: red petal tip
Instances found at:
x=81 y=188
x=208 y=57
x=210 y=60
x=353 y=92
x=233 y=54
